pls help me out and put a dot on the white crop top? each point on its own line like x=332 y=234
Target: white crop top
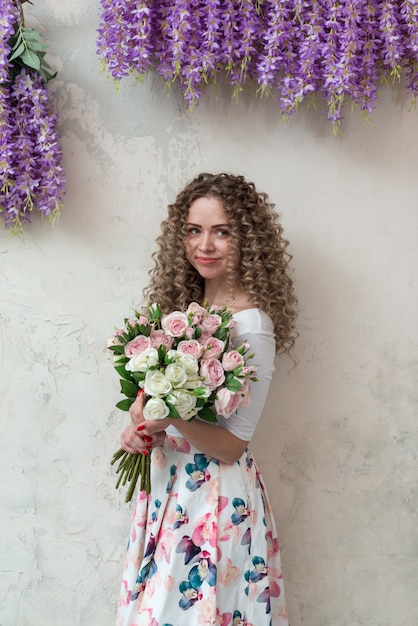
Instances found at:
x=256 y=327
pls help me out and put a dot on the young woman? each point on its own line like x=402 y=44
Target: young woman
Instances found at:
x=203 y=547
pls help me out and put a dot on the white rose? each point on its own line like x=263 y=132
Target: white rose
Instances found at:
x=191 y=364
x=176 y=374
x=156 y=384
x=195 y=382
x=142 y=362
x=173 y=355
x=155 y=409
x=184 y=403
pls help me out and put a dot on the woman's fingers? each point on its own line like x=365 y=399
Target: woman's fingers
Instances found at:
x=139 y=442
x=133 y=442
x=136 y=408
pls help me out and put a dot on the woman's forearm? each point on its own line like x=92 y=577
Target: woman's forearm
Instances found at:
x=213 y=440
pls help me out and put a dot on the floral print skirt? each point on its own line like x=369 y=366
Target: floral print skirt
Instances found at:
x=203 y=548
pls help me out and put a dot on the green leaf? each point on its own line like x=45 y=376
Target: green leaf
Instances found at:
x=125 y=405
x=155 y=312
x=173 y=410
x=19 y=50
x=200 y=392
x=128 y=388
x=123 y=373
x=208 y=415
x=122 y=360
x=46 y=75
x=36 y=46
x=162 y=351
x=31 y=59
x=17 y=38
x=234 y=384
x=30 y=34
x=117 y=349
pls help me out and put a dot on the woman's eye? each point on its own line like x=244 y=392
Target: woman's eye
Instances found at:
x=192 y=230
x=223 y=233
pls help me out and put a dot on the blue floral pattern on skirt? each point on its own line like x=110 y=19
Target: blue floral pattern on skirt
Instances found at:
x=203 y=549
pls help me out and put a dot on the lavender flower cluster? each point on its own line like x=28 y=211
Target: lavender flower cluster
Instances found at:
x=341 y=49
x=31 y=174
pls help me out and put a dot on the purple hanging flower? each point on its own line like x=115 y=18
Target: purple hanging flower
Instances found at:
x=303 y=68
x=390 y=35
x=332 y=86
x=113 y=42
x=364 y=91
x=36 y=177
x=341 y=49
x=31 y=174
x=245 y=28
x=309 y=69
x=139 y=28
x=277 y=60
x=408 y=17
x=8 y=19
x=211 y=38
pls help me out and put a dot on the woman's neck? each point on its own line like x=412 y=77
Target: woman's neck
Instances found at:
x=235 y=299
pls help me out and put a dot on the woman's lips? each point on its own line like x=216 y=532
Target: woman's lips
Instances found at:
x=206 y=260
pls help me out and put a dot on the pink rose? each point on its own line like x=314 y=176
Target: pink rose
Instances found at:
x=175 y=324
x=245 y=395
x=205 y=335
x=142 y=320
x=226 y=402
x=192 y=348
x=231 y=360
x=213 y=348
x=160 y=338
x=212 y=373
x=113 y=341
x=196 y=311
x=211 y=323
x=137 y=345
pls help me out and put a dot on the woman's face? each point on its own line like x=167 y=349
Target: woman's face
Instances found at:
x=208 y=238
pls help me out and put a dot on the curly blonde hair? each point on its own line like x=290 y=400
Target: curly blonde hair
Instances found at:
x=256 y=234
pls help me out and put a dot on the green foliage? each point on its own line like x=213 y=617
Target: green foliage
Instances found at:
x=27 y=49
x=208 y=415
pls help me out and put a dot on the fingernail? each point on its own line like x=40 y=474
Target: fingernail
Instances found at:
x=146 y=438
x=140 y=427
x=139 y=392
x=149 y=447
x=145 y=453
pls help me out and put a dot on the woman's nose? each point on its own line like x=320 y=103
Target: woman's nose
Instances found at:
x=206 y=242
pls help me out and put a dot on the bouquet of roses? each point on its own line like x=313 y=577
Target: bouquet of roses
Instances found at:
x=186 y=365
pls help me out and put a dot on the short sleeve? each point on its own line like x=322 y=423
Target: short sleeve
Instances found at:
x=255 y=327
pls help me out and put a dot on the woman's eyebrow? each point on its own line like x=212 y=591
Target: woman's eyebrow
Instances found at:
x=214 y=226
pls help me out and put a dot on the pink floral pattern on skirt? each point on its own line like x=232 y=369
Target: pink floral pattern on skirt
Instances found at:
x=203 y=549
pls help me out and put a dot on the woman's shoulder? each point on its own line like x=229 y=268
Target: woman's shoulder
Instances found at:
x=253 y=319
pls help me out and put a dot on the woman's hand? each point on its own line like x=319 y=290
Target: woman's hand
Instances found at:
x=135 y=438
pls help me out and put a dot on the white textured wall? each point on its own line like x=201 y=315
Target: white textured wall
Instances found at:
x=338 y=441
